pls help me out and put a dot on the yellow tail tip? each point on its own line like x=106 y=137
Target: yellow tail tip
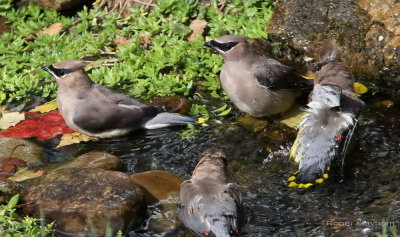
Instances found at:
x=292 y=185
x=308 y=185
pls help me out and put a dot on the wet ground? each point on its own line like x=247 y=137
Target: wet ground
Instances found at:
x=354 y=202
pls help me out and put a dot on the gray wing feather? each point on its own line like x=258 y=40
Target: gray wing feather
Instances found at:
x=220 y=213
x=273 y=75
x=107 y=110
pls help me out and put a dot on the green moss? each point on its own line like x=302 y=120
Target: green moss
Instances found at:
x=171 y=65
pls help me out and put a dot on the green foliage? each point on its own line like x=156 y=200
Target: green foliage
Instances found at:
x=11 y=225
x=171 y=65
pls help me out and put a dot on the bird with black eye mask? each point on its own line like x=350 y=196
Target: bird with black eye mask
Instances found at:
x=97 y=111
x=255 y=83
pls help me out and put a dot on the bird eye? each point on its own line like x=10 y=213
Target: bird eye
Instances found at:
x=61 y=72
x=227 y=46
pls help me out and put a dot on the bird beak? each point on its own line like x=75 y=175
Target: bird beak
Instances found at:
x=209 y=44
x=46 y=68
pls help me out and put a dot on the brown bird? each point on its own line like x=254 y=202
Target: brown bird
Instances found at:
x=255 y=83
x=97 y=111
x=332 y=117
x=209 y=205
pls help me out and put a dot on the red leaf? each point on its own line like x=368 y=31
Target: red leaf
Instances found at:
x=14 y=161
x=41 y=126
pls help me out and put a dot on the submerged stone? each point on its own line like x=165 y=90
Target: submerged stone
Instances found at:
x=160 y=184
x=30 y=152
x=94 y=159
x=163 y=192
x=85 y=200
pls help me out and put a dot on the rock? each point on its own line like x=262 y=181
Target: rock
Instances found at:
x=172 y=104
x=82 y=200
x=32 y=153
x=367 y=32
x=160 y=184
x=59 y=5
x=7 y=189
x=94 y=159
x=163 y=188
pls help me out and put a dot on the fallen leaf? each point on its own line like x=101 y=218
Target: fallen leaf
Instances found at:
x=293 y=117
x=11 y=119
x=359 y=88
x=121 y=41
x=41 y=126
x=2 y=109
x=197 y=26
x=53 y=29
x=44 y=108
x=145 y=41
x=25 y=174
x=7 y=170
x=30 y=37
x=13 y=161
x=76 y=137
x=385 y=104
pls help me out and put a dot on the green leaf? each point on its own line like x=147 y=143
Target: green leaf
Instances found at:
x=13 y=201
x=226 y=112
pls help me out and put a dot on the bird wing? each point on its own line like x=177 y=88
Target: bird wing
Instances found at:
x=273 y=75
x=189 y=208
x=325 y=133
x=107 y=110
x=218 y=213
x=117 y=98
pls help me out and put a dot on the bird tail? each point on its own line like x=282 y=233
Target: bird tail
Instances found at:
x=166 y=119
x=322 y=136
x=327 y=53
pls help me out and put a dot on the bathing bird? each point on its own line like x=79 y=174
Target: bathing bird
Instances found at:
x=97 y=111
x=209 y=204
x=256 y=84
x=326 y=131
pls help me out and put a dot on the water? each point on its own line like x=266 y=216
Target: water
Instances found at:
x=352 y=203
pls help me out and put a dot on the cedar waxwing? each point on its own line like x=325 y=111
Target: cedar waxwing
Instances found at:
x=97 y=111
x=255 y=83
x=209 y=205
x=330 y=121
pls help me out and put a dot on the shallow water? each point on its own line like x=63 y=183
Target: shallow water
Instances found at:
x=352 y=203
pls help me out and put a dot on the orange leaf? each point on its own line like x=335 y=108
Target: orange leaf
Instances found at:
x=53 y=29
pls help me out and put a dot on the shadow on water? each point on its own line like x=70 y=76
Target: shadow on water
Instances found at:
x=353 y=203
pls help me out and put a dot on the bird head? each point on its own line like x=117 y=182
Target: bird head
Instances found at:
x=69 y=73
x=62 y=69
x=229 y=46
x=212 y=160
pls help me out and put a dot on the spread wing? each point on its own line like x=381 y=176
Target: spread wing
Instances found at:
x=107 y=110
x=273 y=75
